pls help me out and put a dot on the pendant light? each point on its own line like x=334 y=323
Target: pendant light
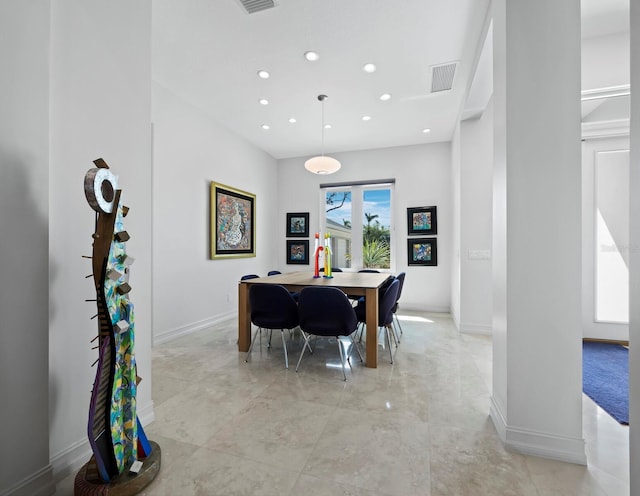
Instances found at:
x=322 y=164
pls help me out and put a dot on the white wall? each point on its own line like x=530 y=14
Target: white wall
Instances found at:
x=423 y=177
x=537 y=394
x=78 y=88
x=24 y=216
x=100 y=107
x=476 y=169
x=192 y=291
x=605 y=61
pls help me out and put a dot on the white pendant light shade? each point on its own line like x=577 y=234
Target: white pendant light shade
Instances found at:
x=322 y=165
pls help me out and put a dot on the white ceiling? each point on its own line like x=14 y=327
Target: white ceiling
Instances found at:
x=208 y=53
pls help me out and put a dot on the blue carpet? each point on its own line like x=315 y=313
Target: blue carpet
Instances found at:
x=605 y=377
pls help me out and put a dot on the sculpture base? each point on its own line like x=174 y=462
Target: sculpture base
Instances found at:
x=127 y=483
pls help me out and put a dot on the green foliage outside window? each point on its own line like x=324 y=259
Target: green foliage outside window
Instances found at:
x=376 y=250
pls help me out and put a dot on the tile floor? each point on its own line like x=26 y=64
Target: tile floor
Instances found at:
x=417 y=427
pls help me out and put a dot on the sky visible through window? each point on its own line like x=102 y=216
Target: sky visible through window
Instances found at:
x=375 y=202
x=342 y=214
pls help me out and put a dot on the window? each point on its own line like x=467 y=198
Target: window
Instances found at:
x=359 y=219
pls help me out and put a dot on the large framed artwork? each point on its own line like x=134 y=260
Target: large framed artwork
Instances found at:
x=298 y=225
x=422 y=220
x=422 y=251
x=298 y=251
x=233 y=222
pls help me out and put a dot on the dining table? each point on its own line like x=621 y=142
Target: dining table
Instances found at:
x=352 y=283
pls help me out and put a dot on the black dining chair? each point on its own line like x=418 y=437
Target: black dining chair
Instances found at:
x=371 y=271
x=385 y=314
x=400 y=277
x=272 y=307
x=327 y=312
x=249 y=276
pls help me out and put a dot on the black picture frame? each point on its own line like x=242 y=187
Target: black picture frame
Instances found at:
x=422 y=220
x=297 y=225
x=422 y=251
x=298 y=251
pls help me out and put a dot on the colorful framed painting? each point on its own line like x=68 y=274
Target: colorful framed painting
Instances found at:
x=233 y=222
x=422 y=251
x=422 y=220
x=298 y=225
x=298 y=252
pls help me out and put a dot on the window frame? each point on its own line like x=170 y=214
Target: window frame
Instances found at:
x=357 y=190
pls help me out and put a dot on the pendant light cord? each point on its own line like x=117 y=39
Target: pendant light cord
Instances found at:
x=321 y=98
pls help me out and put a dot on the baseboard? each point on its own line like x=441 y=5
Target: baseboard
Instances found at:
x=498 y=419
x=483 y=329
x=172 y=334
x=456 y=320
x=146 y=414
x=535 y=443
x=39 y=483
x=69 y=460
x=423 y=309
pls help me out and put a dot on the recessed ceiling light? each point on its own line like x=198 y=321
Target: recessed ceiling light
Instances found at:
x=263 y=74
x=264 y=101
x=292 y=120
x=366 y=117
x=266 y=127
x=327 y=126
x=311 y=56
x=369 y=68
x=426 y=130
x=385 y=96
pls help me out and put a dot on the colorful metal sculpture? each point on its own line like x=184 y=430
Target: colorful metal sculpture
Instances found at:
x=327 y=256
x=115 y=434
x=316 y=256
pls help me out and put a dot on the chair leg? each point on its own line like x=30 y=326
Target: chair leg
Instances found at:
x=304 y=347
x=258 y=330
x=344 y=373
x=284 y=346
x=399 y=326
x=388 y=339
x=355 y=345
x=393 y=333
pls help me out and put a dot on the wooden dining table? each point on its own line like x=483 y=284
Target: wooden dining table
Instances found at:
x=352 y=283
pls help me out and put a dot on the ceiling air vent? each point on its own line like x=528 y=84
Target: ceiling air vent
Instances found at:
x=442 y=76
x=253 y=6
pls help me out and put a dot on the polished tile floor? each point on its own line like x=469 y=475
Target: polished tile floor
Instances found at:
x=417 y=427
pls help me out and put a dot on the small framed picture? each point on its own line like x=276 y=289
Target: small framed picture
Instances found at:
x=422 y=251
x=298 y=225
x=422 y=220
x=298 y=251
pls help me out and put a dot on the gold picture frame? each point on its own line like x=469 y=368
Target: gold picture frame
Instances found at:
x=233 y=222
